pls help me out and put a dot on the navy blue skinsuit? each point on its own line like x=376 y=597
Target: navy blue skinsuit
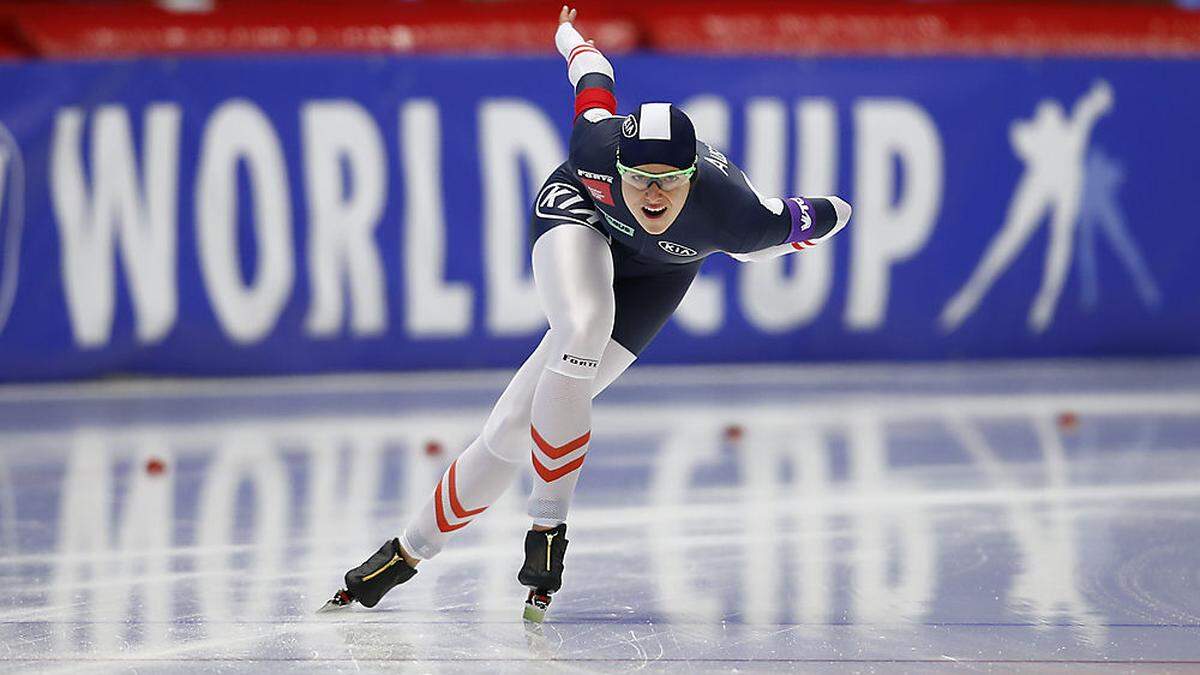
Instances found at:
x=653 y=272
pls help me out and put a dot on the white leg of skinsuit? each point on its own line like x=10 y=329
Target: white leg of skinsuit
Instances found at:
x=573 y=268
x=489 y=464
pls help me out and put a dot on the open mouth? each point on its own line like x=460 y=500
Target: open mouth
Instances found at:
x=655 y=212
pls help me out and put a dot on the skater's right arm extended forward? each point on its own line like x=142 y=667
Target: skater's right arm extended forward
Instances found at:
x=590 y=73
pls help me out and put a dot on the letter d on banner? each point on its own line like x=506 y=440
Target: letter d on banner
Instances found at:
x=513 y=135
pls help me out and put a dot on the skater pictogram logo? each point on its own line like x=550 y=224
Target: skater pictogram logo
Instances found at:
x=12 y=203
x=1101 y=213
x=1071 y=186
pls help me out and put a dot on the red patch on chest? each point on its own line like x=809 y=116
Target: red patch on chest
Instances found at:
x=599 y=190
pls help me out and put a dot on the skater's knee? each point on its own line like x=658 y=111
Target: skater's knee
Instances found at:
x=589 y=323
x=579 y=340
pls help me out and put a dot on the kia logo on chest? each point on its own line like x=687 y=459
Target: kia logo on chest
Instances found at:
x=676 y=249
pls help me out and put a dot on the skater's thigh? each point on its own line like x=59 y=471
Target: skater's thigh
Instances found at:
x=645 y=302
x=573 y=270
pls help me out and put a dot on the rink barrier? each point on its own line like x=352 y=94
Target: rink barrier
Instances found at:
x=298 y=215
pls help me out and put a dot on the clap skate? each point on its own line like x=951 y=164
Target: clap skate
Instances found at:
x=340 y=600
x=543 y=568
x=370 y=581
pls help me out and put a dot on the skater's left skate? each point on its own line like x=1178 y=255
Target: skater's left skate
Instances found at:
x=543 y=568
x=370 y=581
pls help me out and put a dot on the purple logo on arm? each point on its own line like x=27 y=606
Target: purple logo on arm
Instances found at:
x=801 y=218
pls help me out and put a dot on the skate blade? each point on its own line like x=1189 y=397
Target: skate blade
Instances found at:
x=534 y=614
x=340 y=600
x=536 y=604
x=331 y=606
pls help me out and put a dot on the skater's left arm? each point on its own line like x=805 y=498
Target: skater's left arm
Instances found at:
x=1095 y=103
x=775 y=226
x=588 y=70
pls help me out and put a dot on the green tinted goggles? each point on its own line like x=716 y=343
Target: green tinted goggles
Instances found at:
x=642 y=180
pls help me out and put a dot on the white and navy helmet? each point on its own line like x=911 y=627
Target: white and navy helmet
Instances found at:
x=658 y=133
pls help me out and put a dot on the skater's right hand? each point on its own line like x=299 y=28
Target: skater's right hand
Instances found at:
x=566 y=15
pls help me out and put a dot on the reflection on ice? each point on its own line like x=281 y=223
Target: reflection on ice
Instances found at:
x=1046 y=587
x=941 y=522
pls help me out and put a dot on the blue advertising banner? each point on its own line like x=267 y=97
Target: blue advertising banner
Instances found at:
x=284 y=215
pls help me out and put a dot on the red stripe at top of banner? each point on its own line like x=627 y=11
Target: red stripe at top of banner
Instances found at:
x=131 y=27
x=917 y=29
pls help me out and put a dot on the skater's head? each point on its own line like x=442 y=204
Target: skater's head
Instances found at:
x=656 y=157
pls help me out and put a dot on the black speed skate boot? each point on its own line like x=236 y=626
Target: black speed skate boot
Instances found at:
x=370 y=581
x=543 y=568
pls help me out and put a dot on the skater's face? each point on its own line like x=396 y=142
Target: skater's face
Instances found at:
x=655 y=203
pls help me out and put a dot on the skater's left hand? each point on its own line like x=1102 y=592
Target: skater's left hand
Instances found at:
x=1103 y=92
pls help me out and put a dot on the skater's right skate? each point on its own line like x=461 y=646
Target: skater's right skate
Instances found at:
x=370 y=581
x=543 y=568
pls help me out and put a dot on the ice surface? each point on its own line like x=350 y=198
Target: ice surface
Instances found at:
x=1035 y=518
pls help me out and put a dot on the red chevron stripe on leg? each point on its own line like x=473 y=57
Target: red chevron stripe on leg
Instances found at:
x=558 y=452
x=443 y=524
x=455 y=506
x=551 y=475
